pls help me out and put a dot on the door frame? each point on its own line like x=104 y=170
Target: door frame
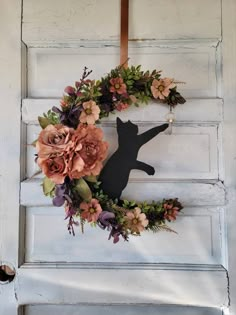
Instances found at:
x=10 y=140
x=12 y=92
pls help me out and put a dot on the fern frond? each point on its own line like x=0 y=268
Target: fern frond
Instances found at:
x=162 y=227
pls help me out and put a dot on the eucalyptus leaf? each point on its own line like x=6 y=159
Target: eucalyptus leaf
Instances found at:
x=82 y=188
x=48 y=186
x=91 y=179
x=44 y=122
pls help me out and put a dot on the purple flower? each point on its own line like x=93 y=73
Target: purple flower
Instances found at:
x=115 y=234
x=61 y=195
x=69 y=117
x=103 y=219
x=107 y=220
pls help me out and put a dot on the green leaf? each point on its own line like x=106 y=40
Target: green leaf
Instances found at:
x=44 y=122
x=125 y=202
x=91 y=179
x=129 y=82
x=82 y=188
x=48 y=186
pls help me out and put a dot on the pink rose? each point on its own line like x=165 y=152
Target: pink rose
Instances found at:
x=54 y=139
x=54 y=168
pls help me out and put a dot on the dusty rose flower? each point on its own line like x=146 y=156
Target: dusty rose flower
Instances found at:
x=136 y=221
x=54 y=168
x=171 y=214
x=161 y=88
x=117 y=85
x=121 y=106
x=172 y=208
x=88 y=151
x=63 y=103
x=54 y=139
x=76 y=163
x=91 y=210
x=90 y=113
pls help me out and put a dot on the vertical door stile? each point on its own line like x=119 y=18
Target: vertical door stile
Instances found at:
x=10 y=89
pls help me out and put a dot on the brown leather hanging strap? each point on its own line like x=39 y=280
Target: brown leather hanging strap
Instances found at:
x=124 y=33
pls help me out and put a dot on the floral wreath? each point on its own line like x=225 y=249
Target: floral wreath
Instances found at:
x=71 y=150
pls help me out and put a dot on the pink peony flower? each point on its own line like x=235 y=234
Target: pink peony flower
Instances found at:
x=117 y=86
x=55 y=168
x=136 y=221
x=161 y=88
x=88 y=151
x=121 y=106
x=54 y=139
x=90 y=113
x=91 y=210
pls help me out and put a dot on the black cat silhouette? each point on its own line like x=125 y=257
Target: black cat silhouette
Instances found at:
x=115 y=174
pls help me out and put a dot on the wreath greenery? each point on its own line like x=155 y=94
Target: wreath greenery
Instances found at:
x=71 y=149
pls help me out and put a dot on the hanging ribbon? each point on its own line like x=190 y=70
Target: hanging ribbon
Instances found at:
x=124 y=33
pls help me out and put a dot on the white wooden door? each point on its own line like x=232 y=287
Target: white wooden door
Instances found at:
x=45 y=45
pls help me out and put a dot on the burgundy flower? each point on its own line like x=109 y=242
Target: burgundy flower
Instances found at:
x=69 y=117
x=70 y=90
x=70 y=211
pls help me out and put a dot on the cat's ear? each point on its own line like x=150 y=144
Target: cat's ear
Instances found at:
x=119 y=122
